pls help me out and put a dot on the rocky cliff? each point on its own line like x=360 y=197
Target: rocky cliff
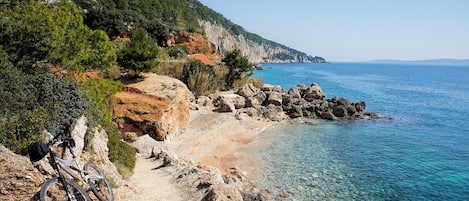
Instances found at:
x=262 y=51
x=157 y=106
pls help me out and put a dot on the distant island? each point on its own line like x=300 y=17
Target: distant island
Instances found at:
x=461 y=62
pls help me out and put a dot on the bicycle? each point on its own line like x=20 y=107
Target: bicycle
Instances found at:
x=63 y=188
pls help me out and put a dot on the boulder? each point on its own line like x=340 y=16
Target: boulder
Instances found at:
x=314 y=92
x=251 y=111
x=223 y=192
x=287 y=99
x=273 y=112
x=270 y=88
x=19 y=180
x=351 y=109
x=204 y=101
x=295 y=112
x=145 y=145
x=261 y=97
x=129 y=136
x=157 y=106
x=226 y=105
x=360 y=106
x=340 y=111
x=99 y=153
x=328 y=115
x=340 y=101
x=248 y=90
x=239 y=101
x=252 y=102
x=301 y=89
x=316 y=88
x=231 y=102
x=78 y=134
x=295 y=92
x=275 y=98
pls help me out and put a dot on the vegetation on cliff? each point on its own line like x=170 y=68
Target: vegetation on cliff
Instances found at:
x=32 y=103
x=203 y=79
x=41 y=46
x=45 y=45
x=140 y=54
x=53 y=33
x=161 y=18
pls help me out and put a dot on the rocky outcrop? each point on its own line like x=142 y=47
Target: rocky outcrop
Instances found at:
x=257 y=52
x=158 y=106
x=206 y=182
x=274 y=103
x=195 y=42
x=19 y=180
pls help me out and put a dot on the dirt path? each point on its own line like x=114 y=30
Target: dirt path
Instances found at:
x=214 y=139
x=155 y=184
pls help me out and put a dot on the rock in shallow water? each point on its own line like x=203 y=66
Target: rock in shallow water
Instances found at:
x=300 y=101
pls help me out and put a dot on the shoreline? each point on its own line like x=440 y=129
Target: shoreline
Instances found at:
x=221 y=140
x=211 y=159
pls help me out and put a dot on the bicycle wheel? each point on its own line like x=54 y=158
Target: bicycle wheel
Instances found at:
x=98 y=182
x=53 y=190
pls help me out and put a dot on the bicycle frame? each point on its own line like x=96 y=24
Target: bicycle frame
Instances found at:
x=71 y=167
x=61 y=177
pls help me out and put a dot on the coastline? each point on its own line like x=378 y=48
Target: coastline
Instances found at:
x=220 y=140
x=211 y=159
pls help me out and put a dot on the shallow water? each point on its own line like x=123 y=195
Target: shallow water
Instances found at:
x=422 y=153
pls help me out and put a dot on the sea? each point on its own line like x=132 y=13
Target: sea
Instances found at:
x=418 y=151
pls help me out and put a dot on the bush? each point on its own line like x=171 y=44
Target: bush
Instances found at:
x=53 y=33
x=199 y=77
x=32 y=103
x=239 y=67
x=99 y=92
x=140 y=54
x=120 y=153
x=257 y=82
x=178 y=51
x=172 y=69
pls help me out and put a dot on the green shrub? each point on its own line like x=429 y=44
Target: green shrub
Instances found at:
x=32 y=103
x=198 y=77
x=201 y=79
x=99 y=92
x=140 y=54
x=178 y=51
x=120 y=153
x=239 y=67
x=53 y=33
x=283 y=56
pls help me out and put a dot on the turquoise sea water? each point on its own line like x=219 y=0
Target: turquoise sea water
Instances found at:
x=421 y=153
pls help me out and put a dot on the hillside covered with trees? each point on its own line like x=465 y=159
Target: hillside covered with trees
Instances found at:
x=54 y=68
x=49 y=49
x=163 y=17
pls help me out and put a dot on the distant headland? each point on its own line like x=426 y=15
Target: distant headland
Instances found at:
x=461 y=62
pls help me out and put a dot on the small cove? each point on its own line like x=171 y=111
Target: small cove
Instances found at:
x=418 y=154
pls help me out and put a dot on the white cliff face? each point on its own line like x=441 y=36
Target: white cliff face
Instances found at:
x=224 y=41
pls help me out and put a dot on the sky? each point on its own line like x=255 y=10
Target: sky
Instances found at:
x=357 y=30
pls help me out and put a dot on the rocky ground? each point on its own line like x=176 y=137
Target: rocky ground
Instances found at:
x=205 y=162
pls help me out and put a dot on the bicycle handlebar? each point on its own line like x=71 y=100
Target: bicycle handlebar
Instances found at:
x=56 y=138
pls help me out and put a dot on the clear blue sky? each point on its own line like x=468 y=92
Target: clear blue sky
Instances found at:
x=357 y=30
